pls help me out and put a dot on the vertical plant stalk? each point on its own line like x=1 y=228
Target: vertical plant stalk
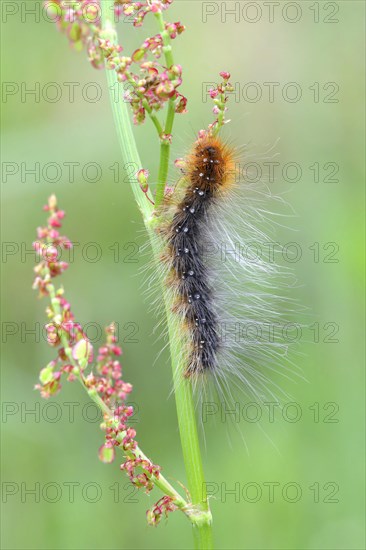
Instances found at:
x=165 y=143
x=121 y=115
x=201 y=519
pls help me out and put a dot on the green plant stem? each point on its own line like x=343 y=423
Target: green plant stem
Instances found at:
x=121 y=116
x=188 y=432
x=201 y=516
x=165 y=143
x=163 y=172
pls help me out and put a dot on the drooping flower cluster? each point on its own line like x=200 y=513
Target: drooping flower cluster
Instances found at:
x=149 y=85
x=160 y=509
x=142 y=479
x=149 y=90
x=75 y=353
x=153 y=85
x=80 y=21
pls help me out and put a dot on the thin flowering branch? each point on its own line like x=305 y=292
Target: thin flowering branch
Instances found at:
x=173 y=107
x=219 y=95
x=149 y=88
x=105 y=385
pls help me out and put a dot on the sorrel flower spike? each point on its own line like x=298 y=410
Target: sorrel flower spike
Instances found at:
x=149 y=85
x=103 y=383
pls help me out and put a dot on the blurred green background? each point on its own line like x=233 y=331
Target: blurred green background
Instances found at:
x=320 y=455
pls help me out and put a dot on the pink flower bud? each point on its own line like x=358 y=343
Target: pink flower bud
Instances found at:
x=103 y=350
x=82 y=351
x=148 y=66
x=138 y=55
x=38 y=247
x=181 y=105
x=50 y=253
x=67 y=244
x=54 y=221
x=142 y=177
x=106 y=453
x=165 y=89
x=225 y=75
x=42 y=232
x=117 y=350
x=139 y=116
x=176 y=70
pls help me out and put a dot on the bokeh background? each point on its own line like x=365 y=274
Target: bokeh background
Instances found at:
x=323 y=452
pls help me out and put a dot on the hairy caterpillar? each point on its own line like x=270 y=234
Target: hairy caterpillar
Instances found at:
x=214 y=294
x=210 y=173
